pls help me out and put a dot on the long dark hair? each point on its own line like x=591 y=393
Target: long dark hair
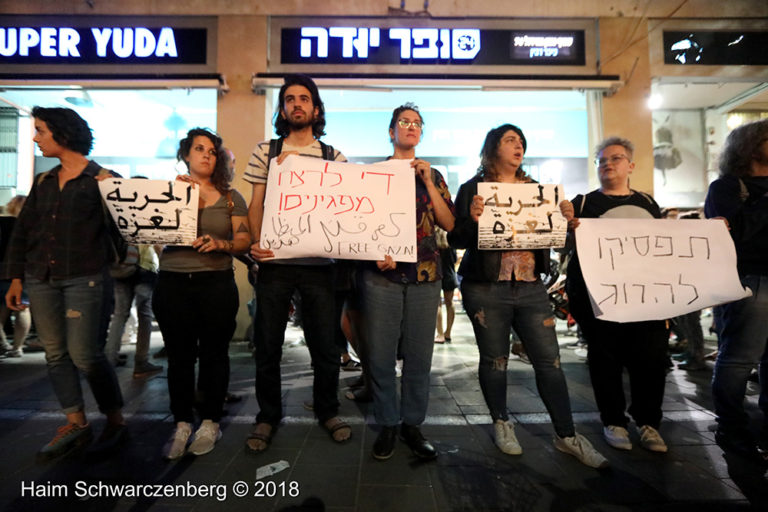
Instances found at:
x=282 y=126
x=222 y=175
x=742 y=147
x=489 y=154
x=67 y=127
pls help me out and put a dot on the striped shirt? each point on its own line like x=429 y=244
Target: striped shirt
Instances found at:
x=258 y=167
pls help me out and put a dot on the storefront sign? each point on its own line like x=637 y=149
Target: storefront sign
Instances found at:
x=716 y=47
x=44 y=44
x=402 y=45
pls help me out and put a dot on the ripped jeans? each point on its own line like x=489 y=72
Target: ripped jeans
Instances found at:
x=67 y=313
x=494 y=308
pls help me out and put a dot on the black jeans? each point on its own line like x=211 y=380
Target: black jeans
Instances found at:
x=196 y=314
x=641 y=348
x=274 y=287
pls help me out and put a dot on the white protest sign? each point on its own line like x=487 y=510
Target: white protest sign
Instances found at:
x=152 y=211
x=318 y=208
x=654 y=269
x=521 y=216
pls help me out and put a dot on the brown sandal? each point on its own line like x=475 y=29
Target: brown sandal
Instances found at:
x=255 y=435
x=335 y=425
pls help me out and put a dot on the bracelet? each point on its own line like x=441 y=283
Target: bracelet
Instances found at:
x=230 y=245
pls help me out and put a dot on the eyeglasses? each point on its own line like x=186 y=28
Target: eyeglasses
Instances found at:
x=613 y=160
x=404 y=123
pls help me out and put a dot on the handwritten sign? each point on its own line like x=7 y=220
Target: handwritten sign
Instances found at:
x=152 y=211
x=651 y=269
x=328 y=209
x=521 y=216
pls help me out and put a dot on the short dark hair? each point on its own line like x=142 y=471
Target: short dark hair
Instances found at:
x=489 y=152
x=222 y=175
x=67 y=127
x=282 y=126
x=742 y=147
x=616 y=141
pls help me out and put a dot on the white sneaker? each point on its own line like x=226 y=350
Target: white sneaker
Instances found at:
x=582 y=449
x=505 y=437
x=177 y=444
x=617 y=436
x=205 y=437
x=651 y=440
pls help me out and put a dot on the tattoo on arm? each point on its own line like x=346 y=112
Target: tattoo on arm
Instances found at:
x=243 y=228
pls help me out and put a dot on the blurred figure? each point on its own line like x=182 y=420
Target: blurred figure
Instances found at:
x=449 y=285
x=22 y=320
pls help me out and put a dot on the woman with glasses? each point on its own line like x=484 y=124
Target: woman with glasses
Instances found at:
x=640 y=347
x=502 y=289
x=195 y=300
x=399 y=302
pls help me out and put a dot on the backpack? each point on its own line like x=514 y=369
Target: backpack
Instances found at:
x=276 y=147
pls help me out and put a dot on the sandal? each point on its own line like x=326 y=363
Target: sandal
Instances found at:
x=255 y=435
x=335 y=426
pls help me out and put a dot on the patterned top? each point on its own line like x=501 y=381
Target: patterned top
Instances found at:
x=427 y=266
x=521 y=264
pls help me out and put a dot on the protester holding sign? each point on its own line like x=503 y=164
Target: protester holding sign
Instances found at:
x=195 y=300
x=399 y=303
x=640 y=347
x=59 y=253
x=502 y=289
x=740 y=196
x=300 y=122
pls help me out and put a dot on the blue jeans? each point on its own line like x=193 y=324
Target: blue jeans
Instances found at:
x=67 y=313
x=138 y=286
x=743 y=343
x=274 y=288
x=494 y=308
x=399 y=315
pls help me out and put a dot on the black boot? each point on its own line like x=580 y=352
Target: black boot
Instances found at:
x=385 y=443
x=415 y=440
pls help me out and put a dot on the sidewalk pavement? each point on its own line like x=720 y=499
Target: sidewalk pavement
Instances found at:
x=470 y=474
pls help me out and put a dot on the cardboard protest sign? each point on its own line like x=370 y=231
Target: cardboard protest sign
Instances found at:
x=152 y=211
x=317 y=208
x=654 y=269
x=521 y=216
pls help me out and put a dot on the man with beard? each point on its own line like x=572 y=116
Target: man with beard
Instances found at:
x=300 y=122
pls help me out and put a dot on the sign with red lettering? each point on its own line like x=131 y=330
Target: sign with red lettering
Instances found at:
x=318 y=208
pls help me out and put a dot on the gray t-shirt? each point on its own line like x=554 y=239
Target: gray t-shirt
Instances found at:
x=216 y=221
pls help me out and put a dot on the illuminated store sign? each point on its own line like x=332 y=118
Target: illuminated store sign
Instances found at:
x=102 y=45
x=400 y=45
x=719 y=48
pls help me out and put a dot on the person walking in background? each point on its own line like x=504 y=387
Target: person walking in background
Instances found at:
x=195 y=300
x=449 y=284
x=59 y=254
x=22 y=320
x=502 y=290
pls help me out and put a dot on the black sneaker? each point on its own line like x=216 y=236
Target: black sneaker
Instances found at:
x=740 y=443
x=111 y=438
x=413 y=437
x=385 y=443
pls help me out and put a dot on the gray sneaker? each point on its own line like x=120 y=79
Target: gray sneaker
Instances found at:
x=67 y=438
x=582 y=449
x=617 y=436
x=650 y=439
x=177 y=444
x=504 y=436
x=205 y=438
